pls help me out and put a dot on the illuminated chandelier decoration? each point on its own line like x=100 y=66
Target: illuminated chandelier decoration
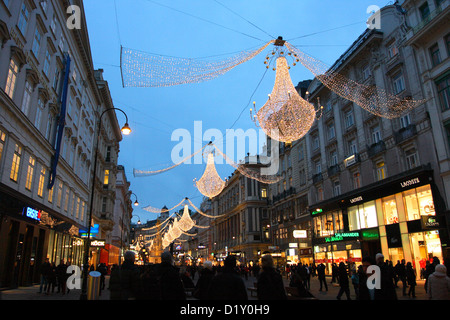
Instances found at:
x=210 y=184
x=185 y=223
x=286 y=116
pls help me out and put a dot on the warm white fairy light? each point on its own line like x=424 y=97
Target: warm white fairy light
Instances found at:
x=185 y=223
x=285 y=111
x=142 y=69
x=369 y=97
x=210 y=184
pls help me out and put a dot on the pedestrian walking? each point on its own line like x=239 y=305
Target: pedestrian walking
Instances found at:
x=355 y=281
x=61 y=275
x=343 y=282
x=410 y=275
x=170 y=283
x=103 y=271
x=124 y=280
x=401 y=274
x=270 y=284
x=51 y=278
x=321 y=276
x=204 y=281
x=364 y=292
x=387 y=287
x=44 y=270
x=228 y=285
x=429 y=269
x=439 y=284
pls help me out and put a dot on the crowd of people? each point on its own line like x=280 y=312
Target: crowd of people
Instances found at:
x=165 y=281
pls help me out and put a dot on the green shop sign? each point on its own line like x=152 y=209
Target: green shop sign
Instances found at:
x=343 y=236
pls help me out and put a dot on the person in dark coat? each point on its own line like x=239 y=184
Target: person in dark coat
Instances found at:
x=228 y=285
x=321 y=276
x=61 y=275
x=149 y=283
x=270 y=285
x=124 y=282
x=364 y=293
x=387 y=286
x=202 y=286
x=343 y=281
x=51 y=276
x=410 y=276
x=170 y=284
x=44 y=270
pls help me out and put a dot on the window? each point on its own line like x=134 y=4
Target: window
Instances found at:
x=36 y=43
x=352 y=147
x=424 y=11
x=104 y=203
x=12 y=77
x=30 y=172
x=376 y=134
x=47 y=62
x=366 y=72
x=419 y=202
x=319 y=194
x=53 y=24
x=315 y=142
x=23 y=19
x=443 y=88
x=333 y=158
x=330 y=131
x=301 y=152
x=77 y=208
x=15 y=163
x=435 y=55
x=83 y=209
x=56 y=79
x=27 y=98
x=356 y=180
x=50 y=195
x=66 y=200
x=318 y=167
x=390 y=210
x=349 y=120
x=41 y=182
x=62 y=42
x=263 y=192
x=39 y=109
x=411 y=159
x=2 y=143
x=381 y=170
x=106 y=179
x=59 y=194
x=398 y=83
x=362 y=216
x=336 y=188
x=48 y=131
x=392 y=50
x=302 y=177
x=405 y=121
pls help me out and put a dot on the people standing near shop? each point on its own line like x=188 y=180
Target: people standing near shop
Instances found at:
x=270 y=285
x=103 y=271
x=364 y=293
x=429 y=269
x=400 y=271
x=343 y=281
x=334 y=273
x=387 y=287
x=51 y=278
x=410 y=275
x=124 y=280
x=228 y=285
x=44 y=271
x=438 y=286
x=202 y=285
x=61 y=274
x=321 y=276
x=355 y=280
x=170 y=283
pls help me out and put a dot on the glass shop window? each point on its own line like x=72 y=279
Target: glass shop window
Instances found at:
x=419 y=202
x=390 y=210
x=362 y=216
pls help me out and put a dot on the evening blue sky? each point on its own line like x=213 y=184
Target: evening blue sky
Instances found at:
x=180 y=28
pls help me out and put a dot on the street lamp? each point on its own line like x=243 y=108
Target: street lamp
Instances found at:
x=126 y=131
x=136 y=203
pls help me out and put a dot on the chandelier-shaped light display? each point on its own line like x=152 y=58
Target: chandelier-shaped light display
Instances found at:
x=176 y=231
x=210 y=184
x=285 y=112
x=185 y=223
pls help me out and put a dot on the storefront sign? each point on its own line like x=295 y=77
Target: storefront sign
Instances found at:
x=94 y=231
x=317 y=211
x=98 y=243
x=430 y=222
x=300 y=234
x=293 y=245
x=32 y=213
x=357 y=199
x=409 y=182
x=370 y=234
x=342 y=236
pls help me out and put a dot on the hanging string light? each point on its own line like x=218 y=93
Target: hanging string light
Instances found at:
x=142 y=69
x=185 y=223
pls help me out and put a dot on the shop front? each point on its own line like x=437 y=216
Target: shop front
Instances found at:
x=30 y=233
x=398 y=217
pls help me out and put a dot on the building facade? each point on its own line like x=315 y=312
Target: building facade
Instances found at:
x=49 y=101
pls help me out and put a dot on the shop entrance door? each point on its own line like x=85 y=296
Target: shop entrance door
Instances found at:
x=370 y=248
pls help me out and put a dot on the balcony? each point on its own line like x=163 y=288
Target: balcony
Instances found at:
x=317 y=177
x=405 y=133
x=376 y=148
x=283 y=194
x=427 y=20
x=333 y=170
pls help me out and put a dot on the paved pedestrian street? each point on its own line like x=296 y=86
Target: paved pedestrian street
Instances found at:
x=31 y=293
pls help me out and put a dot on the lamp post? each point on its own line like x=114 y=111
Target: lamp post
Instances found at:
x=126 y=131
x=136 y=203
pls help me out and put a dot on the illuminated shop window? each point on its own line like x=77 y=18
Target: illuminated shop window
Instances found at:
x=362 y=216
x=419 y=202
x=390 y=210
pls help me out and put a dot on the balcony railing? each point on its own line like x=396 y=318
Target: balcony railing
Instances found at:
x=376 y=148
x=317 y=177
x=427 y=20
x=333 y=170
x=405 y=133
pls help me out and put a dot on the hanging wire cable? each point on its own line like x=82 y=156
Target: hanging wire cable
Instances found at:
x=202 y=19
x=272 y=37
x=323 y=31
